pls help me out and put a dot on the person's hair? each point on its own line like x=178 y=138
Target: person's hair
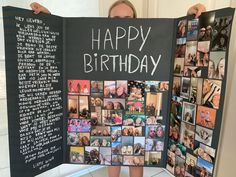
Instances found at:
x=126 y=2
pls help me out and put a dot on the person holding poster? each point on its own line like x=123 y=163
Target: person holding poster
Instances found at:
x=123 y=9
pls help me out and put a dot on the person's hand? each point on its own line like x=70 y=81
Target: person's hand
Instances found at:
x=37 y=8
x=196 y=10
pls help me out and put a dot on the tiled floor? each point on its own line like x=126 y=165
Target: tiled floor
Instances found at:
x=148 y=172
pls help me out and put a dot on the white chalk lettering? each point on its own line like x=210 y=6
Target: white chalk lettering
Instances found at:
x=107 y=39
x=155 y=64
x=87 y=63
x=144 y=38
x=130 y=31
x=96 y=39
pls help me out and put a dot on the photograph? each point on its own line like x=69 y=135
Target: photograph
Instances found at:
x=187 y=135
x=81 y=87
x=135 y=107
x=73 y=106
x=78 y=139
x=76 y=154
x=164 y=86
x=179 y=169
x=182 y=28
x=114 y=104
x=127 y=145
x=192 y=30
x=177 y=148
x=152 y=158
x=96 y=99
x=203 y=135
x=176 y=86
x=190 y=164
x=136 y=90
x=105 y=156
x=153 y=120
x=206 y=117
x=176 y=107
x=78 y=125
x=221 y=31
x=117 y=160
x=192 y=71
x=109 y=90
x=196 y=90
x=155 y=131
x=206 y=22
x=204 y=168
x=102 y=141
x=205 y=152
x=152 y=86
x=202 y=58
x=133 y=160
x=211 y=93
x=153 y=104
x=190 y=54
x=170 y=166
x=121 y=89
x=112 y=117
x=84 y=107
x=139 y=145
x=116 y=134
x=179 y=66
x=134 y=120
x=116 y=148
x=92 y=156
x=96 y=115
x=131 y=131
x=185 y=87
x=216 y=67
x=96 y=86
x=180 y=48
x=189 y=113
x=100 y=131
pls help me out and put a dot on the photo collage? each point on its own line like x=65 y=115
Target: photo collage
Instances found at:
x=198 y=78
x=116 y=122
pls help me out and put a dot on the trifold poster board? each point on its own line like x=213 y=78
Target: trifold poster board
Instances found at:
x=132 y=92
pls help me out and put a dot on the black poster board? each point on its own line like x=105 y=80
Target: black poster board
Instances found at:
x=114 y=91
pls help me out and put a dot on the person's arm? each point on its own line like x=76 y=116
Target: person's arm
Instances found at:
x=37 y=8
x=196 y=10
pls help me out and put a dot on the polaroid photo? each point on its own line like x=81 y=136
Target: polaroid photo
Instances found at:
x=185 y=87
x=152 y=158
x=154 y=104
x=134 y=120
x=179 y=67
x=136 y=90
x=204 y=168
x=192 y=30
x=180 y=48
x=216 y=68
x=176 y=86
x=73 y=106
x=76 y=154
x=206 y=117
x=114 y=104
x=206 y=23
x=96 y=87
x=139 y=145
x=117 y=160
x=152 y=86
x=182 y=28
x=92 y=155
x=116 y=134
x=105 y=156
x=190 y=164
x=127 y=145
x=101 y=131
x=78 y=125
x=133 y=160
x=211 y=93
x=204 y=135
x=221 y=34
x=187 y=135
x=196 y=90
x=190 y=54
x=170 y=166
x=109 y=90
